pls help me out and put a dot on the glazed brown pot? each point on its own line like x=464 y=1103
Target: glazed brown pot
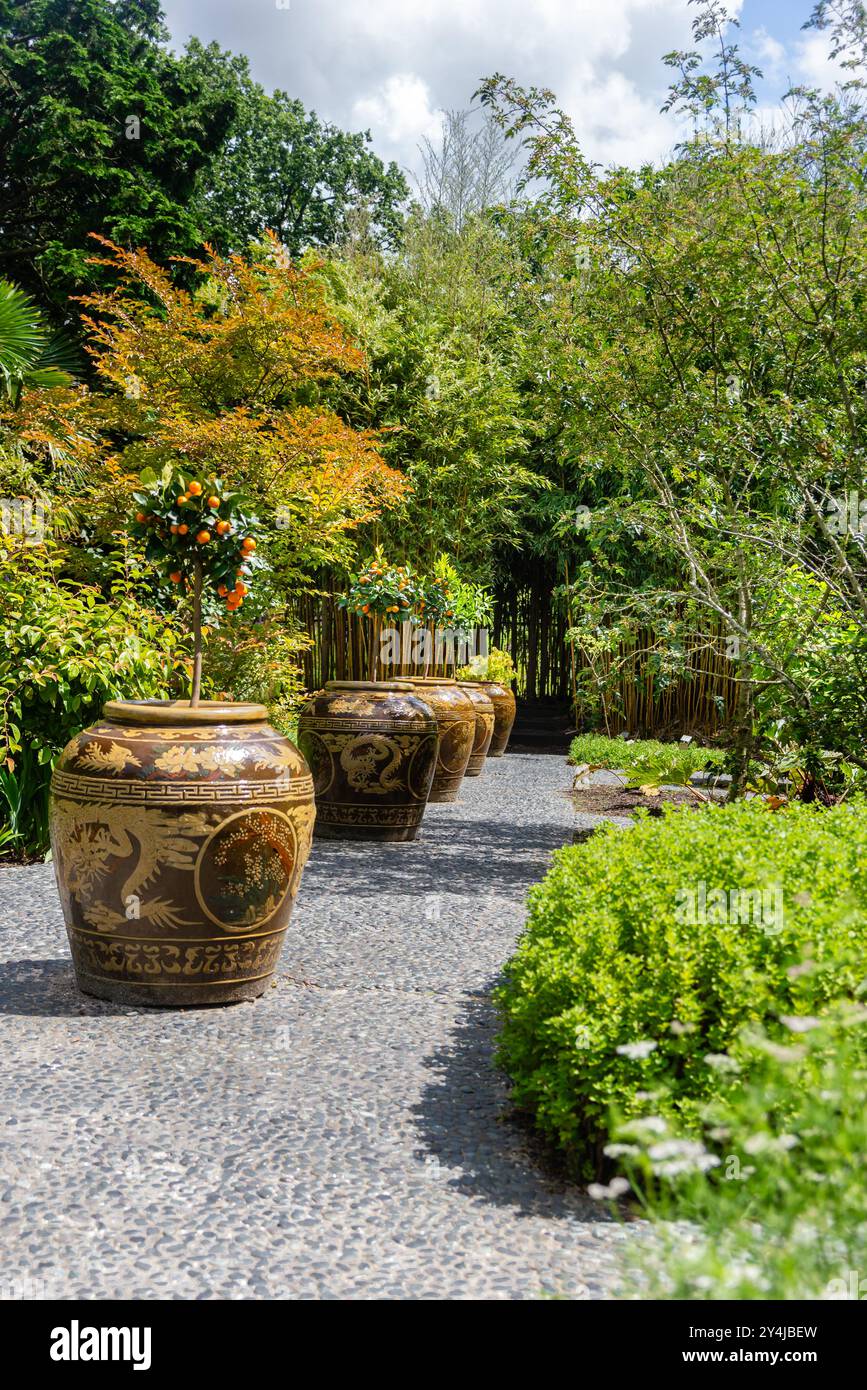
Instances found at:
x=372 y=749
x=484 y=726
x=456 y=721
x=179 y=837
x=503 y=701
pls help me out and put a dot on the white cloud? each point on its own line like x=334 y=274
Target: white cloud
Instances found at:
x=619 y=125
x=400 y=111
x=770 y=54
x=391 y=65
x=814 y=65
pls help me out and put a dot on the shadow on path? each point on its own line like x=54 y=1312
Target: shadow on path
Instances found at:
x=465 y=1126
x=47 y=988
x=464 y=857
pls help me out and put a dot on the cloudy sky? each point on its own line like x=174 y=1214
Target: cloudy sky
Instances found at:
x=391 y=66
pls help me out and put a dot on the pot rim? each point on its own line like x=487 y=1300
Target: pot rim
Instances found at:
x=433 y=680
x=180 y=712
x=369 y=685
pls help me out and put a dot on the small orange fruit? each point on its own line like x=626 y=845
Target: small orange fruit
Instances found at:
x=183 y=499
x=248 y=545
x=183 y=529
x=203 y=537
x=366 y=608
x=223 y=528
x=241 y=588
x=195 y=489
x=214 y=502
x=222 y=591
x=140 y=516
x=175 y=576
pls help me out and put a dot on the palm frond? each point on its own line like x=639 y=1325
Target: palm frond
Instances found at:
x=29 y=354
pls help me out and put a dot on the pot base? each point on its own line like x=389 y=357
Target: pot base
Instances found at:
x=172 y=997
x=442 y=796
x=401 y=835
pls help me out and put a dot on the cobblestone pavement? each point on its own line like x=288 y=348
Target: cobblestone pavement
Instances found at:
x=344 y=1136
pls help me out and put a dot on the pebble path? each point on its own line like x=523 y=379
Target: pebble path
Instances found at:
x=345 y=1136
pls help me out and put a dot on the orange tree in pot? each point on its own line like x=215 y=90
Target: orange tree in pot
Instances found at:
x=180 y=829
x=383 y=596
x=202 y=539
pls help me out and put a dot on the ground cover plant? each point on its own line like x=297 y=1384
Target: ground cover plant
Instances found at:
x=622 y=755
x=768 y=1201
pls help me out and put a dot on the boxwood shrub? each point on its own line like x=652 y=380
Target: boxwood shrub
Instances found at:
x=648 y=949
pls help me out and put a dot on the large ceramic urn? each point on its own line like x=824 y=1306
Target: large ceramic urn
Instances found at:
x=484 y=726
x=503 y=701
x=456 y=721
x=179 y=836
x=372 y=749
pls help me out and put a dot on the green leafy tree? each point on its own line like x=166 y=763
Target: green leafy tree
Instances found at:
x=445 y=363
x=101 y=129
x=285 y=170
x=712 y=353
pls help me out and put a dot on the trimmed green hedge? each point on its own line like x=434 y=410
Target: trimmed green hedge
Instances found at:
x=644 y=952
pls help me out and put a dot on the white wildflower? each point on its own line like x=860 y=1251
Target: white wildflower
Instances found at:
x=769 y=1143
x=781 y=1054
x=677 y=1167
x=676 y=1148
x=799 y=1023
x=637 y=1051
x=615 y=1189
x=645 y=1127
x=721 y=1061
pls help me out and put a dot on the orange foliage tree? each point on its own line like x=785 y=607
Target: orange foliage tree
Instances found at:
x=234 y=377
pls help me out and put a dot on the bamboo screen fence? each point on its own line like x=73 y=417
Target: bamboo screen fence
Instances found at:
x=532 y=625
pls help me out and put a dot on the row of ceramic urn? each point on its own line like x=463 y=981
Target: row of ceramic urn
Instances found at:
x=179 y=834
x=380 y=751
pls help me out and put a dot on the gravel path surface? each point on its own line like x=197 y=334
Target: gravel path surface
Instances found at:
x=343 y=1136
